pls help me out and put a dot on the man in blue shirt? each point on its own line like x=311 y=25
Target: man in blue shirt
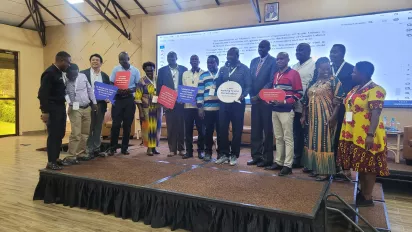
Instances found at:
x=124 y=108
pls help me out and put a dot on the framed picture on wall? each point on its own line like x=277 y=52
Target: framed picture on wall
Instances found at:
x=272 y=12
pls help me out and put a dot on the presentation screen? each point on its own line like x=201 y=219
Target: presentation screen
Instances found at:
x=385 y=39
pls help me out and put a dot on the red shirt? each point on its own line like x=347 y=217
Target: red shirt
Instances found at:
x=290 y=82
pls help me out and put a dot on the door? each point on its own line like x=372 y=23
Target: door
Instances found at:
x=9 y=124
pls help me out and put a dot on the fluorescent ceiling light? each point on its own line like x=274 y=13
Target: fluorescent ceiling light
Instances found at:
x=75 y=1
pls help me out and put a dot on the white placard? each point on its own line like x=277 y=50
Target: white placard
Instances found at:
x=229 y=92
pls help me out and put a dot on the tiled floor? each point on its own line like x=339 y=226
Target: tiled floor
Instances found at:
x=19 y=165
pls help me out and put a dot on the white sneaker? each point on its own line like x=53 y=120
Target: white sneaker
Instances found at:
x=222 y=160
x=233 y=160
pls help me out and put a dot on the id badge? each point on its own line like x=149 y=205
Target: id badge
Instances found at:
x=212 y=92
x=349 y=116
x=76 y=106
x=154 y=99
x=67 y=99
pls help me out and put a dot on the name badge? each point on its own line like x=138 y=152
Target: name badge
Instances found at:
x=67 y=99
x=212 y=92
x=76 y=106
x=349 y=116
x=154 y=99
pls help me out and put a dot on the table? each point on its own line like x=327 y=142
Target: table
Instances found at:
x=395 y=148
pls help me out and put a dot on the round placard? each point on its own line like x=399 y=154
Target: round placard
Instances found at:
x=229 y=92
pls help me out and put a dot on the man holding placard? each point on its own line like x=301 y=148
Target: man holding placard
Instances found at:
x=191 y=79
x=262 y=70
x=283 y=114
x=95 y=74
x=233 y=85
x=125 y=76
x=170 y=76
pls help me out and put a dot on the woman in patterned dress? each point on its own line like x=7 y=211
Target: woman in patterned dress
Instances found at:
x=362 y=144
x=150 y=113
x=321 y=103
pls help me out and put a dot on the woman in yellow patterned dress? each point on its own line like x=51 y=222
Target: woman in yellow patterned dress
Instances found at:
x=149 y=111
x=362 y=144
x=321 y=104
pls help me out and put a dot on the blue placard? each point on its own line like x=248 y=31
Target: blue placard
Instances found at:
x=104 y=91
x=186 y=94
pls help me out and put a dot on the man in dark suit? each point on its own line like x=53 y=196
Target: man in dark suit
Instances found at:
x=171 y=76
x=262 y=71
x=94 y=74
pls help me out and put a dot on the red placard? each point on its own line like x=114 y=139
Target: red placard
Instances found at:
x=269 y=95
x=122 y=80
x=167 y=97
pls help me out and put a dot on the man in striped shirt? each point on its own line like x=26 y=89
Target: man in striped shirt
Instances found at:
x=283 y=114
x=208 y=104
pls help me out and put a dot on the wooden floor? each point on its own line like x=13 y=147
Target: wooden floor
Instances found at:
x=19 y=165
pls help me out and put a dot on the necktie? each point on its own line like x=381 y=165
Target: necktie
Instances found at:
x=259 y=66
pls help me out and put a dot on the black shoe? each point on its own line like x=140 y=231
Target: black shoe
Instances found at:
x=207 y=158
x=53 y=166
x=313 y=174
x=187 y=156
x=262 y=164
x=362 y=202
x=274 y=166
x=155 y=151
x=201 y=155
x=149 y=152
x=101 y=154
x=110 y=153
x=125 y=153
x=285 y=171
x=253 y=162
x=323 y=178
x=306 y=170
x=84 y=158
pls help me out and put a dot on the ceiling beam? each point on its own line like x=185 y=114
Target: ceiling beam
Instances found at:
x=217 y=2
x=255 y=5
x=50 y=13
x=108 y=10
x=141 y=7
x=177 y=5
x=37 y=19
x=75 y=9
x=24 y=20
x=123 y=32
x=120 y=8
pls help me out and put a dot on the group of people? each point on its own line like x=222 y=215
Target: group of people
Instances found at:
x=329 y=120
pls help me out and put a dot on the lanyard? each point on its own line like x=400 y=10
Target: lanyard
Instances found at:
x=340 y=68
x=214 y=76
x=358 y=90
x=230 y=74
x=278 y=77
x=173 y=71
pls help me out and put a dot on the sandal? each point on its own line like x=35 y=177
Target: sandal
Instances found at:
x=149 y=152
x=63 y=162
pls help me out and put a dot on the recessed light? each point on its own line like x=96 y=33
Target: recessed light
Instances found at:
x=75 y=1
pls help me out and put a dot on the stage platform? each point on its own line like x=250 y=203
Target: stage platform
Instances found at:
x=193 y=195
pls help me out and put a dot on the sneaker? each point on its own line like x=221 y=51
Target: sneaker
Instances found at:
x=285 y=171
x=53 y=166
x=233 y=160
x=207 y=158
x=223 y=159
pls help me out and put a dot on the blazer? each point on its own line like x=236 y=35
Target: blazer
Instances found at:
x=105 y=78
x=164 y=77
x=265 y=75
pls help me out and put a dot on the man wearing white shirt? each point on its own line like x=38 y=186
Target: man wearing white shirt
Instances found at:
x=94 y=74
x=306 y=69
x=191 y=78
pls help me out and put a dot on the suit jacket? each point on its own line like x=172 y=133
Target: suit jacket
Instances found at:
x=164 y=77
x=105 y=78
x=265 y=75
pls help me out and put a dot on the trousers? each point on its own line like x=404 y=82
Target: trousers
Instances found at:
x=262 y=132
x=211 y=122
x=231 y=113
x=56 y=128
x=175 y=123
x=192 y=118
x=80 y=125
x=94 y=140
x=122 y=116
x=283 y=128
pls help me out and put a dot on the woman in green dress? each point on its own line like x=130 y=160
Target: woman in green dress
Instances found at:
x=149 y=110
x=321 y=103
